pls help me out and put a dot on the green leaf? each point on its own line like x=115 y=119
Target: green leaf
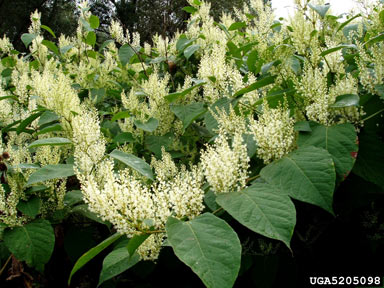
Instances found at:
x=134 y=162
x=51 y=46
x=32 y=243
x=47 y=117
x=346 y=100
x=303 y=126
x=135 y=242
x=252 y=59
x=123 y=138
x=339 y=140
x=320 y=9
x=370 y=160
x=27 y=121
x=376 y=39
x=83 y=210
x=120 y=115
x=209 y=120
x=190 y=50
x=190 y=9
x=55 y=141
x=188 y=113
x=94 y=21
x=380 y=90
x=172 y=97
x=117 y=262
x=50 y=128
x=73 y=197
x=250 y=141
x=125 y=54
x=331 y=50
x=148 y=126
x=49 y=30
x=307 y=174
x=50 y=172
x=65 y=49
x=91 y=38
x=257 y=85
x=89 y=255
x=209 y=246
x=105 y=44
x=237 y=26
x=347 y=22
x=263 y=210
x=154 y=143
x=27 y=38
x=31 y=207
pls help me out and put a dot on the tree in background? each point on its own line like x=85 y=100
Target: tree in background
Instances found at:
x=147 y=17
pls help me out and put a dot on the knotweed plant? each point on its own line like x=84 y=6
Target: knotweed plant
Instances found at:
x=155 y=141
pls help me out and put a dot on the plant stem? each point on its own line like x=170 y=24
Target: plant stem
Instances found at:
x=6 y=264
x=373 y=115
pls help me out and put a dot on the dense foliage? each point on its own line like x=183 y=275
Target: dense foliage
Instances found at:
x=173 y=145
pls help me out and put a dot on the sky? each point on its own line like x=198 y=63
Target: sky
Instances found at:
x=284 y=7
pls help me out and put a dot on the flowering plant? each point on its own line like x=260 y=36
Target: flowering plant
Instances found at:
x=157 y=142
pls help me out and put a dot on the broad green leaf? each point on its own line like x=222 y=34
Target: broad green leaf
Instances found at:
x=257 y=85
x=94 y=21
x=27 y=121
x=334 y=49
x=370 y=160
x=73 y=197
x=125 y=54
x=91 y=38
x=50 y=172
x=51 y=46
x=190 y=50
x=320 y=9
x=263 y=210
x=303 y=126
x=295 y=65
x=250 y=141
x=265 y=68
x=27 y=38
x=105 y=44
x=375 y=39
x=380 y=90
x=25 y=166
x=237 y=26
x=51 y=128
x=347 y=22
x=176 y=95
x=88 y=256
x=135 y=242
x=83 y=210
x=31 y=207
x=209 y=246
x=134 y=162
x=55 y=141
x=116 y=263
x=47 y=117
x=182 y=43
x=339 y=140
x=154 y=143
x=190 y=9
x=65 y=49
x=148 y=126
x=123 y=138
x=188 y=113
x=307 y=174
x=209 y=120
x=346 y=100
x=120 y=115
x=32 y=243
x=46 y=28
x=252 y=59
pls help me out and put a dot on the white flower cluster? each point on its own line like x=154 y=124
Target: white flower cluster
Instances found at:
x=274 y=133
x=88 y=140
x=133 y=207
x=5 y=45
x=225 y=166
